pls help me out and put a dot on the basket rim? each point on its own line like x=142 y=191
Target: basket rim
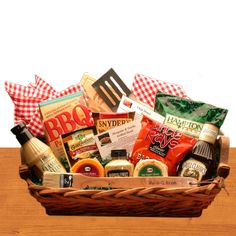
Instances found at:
x=205 y=187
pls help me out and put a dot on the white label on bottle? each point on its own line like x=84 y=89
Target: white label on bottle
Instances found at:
x=209 y=133
x=50 y=164
x=193 y=168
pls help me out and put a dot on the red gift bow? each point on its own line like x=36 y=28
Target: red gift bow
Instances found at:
x=144 y=88
x=27 y=98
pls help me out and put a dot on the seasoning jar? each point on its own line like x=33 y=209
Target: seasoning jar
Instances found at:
x=119 y=166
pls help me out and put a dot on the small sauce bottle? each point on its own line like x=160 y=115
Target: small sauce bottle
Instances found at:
x=200 y=162
x=119 y=166
x=36 y=154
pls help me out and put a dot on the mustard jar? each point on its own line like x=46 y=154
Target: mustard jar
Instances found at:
x=119 y=166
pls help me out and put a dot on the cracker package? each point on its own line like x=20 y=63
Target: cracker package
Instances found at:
x=64 y=115
x=108 y=120
x=80 y=144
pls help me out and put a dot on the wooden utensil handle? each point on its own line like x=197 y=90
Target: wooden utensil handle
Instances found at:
x=223 y=168
x=134 y=182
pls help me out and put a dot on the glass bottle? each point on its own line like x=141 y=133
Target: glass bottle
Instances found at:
x=200 y=162
x=119 y=166
x=36 y=154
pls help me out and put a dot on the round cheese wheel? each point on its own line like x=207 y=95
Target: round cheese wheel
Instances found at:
x=150 y=167
x=89 y=167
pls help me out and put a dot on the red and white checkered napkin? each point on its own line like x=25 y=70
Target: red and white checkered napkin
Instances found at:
x=144 y=88
x=27 y=98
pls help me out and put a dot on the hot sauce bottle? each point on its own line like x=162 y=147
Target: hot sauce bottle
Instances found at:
x=199 y=163
x=36 y=154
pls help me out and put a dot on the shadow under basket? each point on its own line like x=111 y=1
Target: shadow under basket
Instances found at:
x=139 y=201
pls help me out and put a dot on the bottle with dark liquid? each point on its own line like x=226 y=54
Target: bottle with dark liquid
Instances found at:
x=200 y=162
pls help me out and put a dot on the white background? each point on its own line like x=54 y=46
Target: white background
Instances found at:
x=192 y=43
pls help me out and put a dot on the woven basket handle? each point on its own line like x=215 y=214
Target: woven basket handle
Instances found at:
x=223 y=168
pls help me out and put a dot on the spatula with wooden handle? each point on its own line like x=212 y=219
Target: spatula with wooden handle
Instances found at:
x=110 y=88
x=60 y=180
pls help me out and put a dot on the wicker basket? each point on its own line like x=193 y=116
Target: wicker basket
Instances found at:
x=154 y=201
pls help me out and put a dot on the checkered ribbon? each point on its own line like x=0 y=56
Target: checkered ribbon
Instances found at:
x=27 y=98
x=144 y=88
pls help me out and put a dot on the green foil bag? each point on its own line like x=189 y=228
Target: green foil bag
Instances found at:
x=187 y=115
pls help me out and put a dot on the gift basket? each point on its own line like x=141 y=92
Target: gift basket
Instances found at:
x=98 y=148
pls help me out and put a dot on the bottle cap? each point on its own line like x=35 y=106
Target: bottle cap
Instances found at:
x=203 y=149
x=119 y=153
x=209 y=133
x=22 y=133
x=18 y=128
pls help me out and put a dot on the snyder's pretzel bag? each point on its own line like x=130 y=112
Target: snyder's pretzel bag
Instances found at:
x=107 y=120
x=186 y=115
x=160 y=142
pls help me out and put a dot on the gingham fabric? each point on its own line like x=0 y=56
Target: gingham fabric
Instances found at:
x=144 y=88
x=27 y=98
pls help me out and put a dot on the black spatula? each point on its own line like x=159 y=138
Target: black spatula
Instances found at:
x=110 y=88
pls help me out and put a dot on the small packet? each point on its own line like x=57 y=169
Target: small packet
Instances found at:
x=108 y=120
x=186 y=115
x=80 y=144
x=160 y=142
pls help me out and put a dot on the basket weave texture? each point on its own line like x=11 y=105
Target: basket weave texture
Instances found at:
x=172 y=202
x=151 y=201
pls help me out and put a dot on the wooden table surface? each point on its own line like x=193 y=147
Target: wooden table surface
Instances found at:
x=21 y=214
